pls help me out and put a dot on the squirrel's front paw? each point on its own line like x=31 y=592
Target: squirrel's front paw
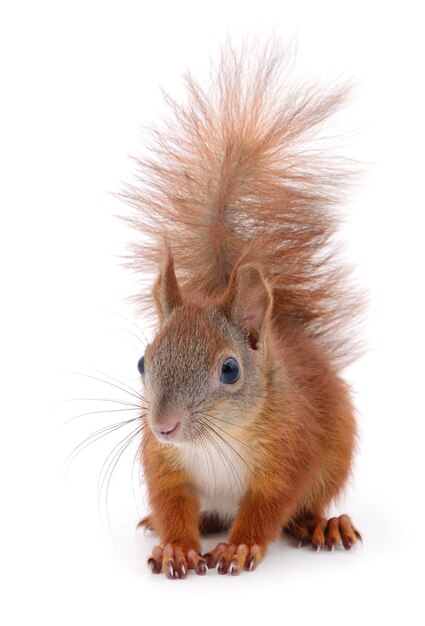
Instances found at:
x=234 y=558
x=174 y=562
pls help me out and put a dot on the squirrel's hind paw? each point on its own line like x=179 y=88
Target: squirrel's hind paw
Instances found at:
x=146 y=523
x=321 y=532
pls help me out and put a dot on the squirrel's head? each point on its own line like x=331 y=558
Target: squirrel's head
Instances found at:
x=205 y=368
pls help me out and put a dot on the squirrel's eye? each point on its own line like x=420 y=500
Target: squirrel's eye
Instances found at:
x=230 y=371
x=141 y=365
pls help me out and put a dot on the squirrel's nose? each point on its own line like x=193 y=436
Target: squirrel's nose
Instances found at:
x=167 y=427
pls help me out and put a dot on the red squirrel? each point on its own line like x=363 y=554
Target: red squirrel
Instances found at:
x=249 y=426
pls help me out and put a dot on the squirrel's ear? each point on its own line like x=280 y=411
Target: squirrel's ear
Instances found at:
x=248 y=301
x=166 y=292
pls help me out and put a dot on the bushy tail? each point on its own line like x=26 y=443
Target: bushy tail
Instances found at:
x=234 y=171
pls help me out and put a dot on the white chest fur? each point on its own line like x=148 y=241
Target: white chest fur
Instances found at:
x=219 y=474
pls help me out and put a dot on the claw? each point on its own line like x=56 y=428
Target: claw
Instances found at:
x=347 y=544
x=153 y=566
x=221 y=566
x=250 y=564
x=235 y=557
x=201 y=568
x=175 y=562
x=331 y=543
x=208 y=558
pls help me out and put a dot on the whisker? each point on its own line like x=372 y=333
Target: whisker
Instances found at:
x=222 y=455
x=235 y=470
x=219 y=419
x=230 y=446
x=146 y=436
x=106 y=382
x=95 y=436
x=138 y=458
x=133 y=334
x=206 y=451
x=110 y=464
x=206 y=398
x=206 y=415
x=104 y=469
x=111 y=455
x=100 y=412
x=120 y=382
x=133 y=401
x=128 y=319
x=136 y=461
x=125 y=402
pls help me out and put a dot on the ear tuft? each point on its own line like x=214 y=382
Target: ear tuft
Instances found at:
x=166 y=291
x=248 y=301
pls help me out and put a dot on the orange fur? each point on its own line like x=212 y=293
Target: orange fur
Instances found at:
x=249 y=219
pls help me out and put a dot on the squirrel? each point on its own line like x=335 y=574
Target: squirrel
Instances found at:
x=249 y=426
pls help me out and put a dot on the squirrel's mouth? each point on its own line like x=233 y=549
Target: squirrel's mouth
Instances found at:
x=167 y=432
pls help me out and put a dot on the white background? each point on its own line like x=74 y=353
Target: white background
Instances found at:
x=77 y=80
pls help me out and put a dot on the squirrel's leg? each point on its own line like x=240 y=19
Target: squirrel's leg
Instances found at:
x=257 y=523
x=174 y=513
x=175 y=517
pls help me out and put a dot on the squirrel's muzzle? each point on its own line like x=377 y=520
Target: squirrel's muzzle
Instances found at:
x=167 y=428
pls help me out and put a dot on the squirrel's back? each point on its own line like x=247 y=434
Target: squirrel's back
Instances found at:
x=233 y=174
